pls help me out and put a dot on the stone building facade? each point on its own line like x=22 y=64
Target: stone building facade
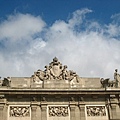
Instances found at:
x=59 y=94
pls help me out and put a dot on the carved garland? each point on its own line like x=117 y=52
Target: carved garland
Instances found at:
x=59 y=111
x=19 y=111
x=96 y=110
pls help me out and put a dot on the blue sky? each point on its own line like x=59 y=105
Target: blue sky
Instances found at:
x=51 y=10
x=84 y=34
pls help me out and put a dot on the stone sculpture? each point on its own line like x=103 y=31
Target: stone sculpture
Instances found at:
x=116 y=78
x=111 y=83
x=107 y=83
x=36 y=78
x=6 y=82
x=1 y=82
x=55 y=71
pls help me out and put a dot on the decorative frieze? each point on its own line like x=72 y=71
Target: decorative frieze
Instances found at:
x=59 y=111
x=19 y=111
x=96 y=111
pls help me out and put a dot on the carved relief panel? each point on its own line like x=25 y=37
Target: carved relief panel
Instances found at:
x=19 y=112
x=96 y=112
x=58 y=112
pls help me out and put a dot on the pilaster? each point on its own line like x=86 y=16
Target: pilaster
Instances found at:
x=2 y=107
x=72 y=109
x=34 y=107
x=1 y=111
x=82 y=110
x=81 y=105
x=33 y=112
x=113 y=105
x=43 y=109
x=113 y=110
x=43 y=112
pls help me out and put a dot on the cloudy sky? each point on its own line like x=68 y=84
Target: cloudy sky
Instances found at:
x=82 y=34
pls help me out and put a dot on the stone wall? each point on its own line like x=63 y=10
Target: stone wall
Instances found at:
x=57 y=108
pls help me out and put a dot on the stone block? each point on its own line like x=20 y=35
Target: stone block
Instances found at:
x=56 y=84
x=36 y=85
x=20 y=82
x=91 y=82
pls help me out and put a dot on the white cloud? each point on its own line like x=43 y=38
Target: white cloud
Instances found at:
x=78 y=17
x=87 y=47
x=21 y=26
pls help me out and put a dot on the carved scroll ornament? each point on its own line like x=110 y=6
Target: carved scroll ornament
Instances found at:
x=59 y=111
x=19 y=111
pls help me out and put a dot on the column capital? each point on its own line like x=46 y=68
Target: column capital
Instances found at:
x=34 y=108
x=72 y=107
x=113 y=106
x=43 y=107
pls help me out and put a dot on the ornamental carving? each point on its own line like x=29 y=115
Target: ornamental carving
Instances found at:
x=96 y=111
x=55 y=71
x=19 y=111
x=59 y=111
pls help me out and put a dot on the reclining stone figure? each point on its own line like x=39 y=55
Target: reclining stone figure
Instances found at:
x=108 y=83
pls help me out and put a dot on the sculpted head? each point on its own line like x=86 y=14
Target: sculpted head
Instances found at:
x=55 y=59
x=65 y=66
x=116 y=70
x=47 y=67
